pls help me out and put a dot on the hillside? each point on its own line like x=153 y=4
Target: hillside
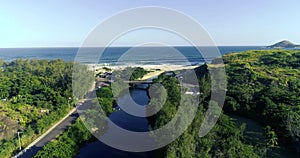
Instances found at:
x=35 y=94
x=262 y=86
x=284 y=44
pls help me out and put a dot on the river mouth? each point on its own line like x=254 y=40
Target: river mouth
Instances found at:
x=125 y=121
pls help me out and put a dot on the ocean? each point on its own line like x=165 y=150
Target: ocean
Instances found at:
x=119 y=55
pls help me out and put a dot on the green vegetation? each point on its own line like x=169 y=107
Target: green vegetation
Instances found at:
x=35 y=94
x=263 y=86
x=106 y=100
x=127 y=74
x=138 y=73
x=83 y=81
x=107 y=69
x=225 y=140
x=130 y=73
x=69 y=142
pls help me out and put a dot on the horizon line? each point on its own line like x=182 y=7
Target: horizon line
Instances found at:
x=126 y=46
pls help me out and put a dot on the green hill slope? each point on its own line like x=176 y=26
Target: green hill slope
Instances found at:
x=262 y=85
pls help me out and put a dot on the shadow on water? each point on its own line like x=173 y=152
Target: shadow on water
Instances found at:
x=99 y=149
x=126 y=121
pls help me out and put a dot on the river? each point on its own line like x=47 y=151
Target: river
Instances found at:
x=254 y=131
x=124 y=120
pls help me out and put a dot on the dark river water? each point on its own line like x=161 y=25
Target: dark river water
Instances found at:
x=126 y=121
x=254 y=131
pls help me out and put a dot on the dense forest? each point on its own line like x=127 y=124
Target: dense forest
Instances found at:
x=265 y=86
x=261 y=85
x=225 y=140
x=34 y=95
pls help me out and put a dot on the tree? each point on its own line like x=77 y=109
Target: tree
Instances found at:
x=272 y=140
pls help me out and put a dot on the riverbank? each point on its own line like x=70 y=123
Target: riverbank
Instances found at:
x=126 y=121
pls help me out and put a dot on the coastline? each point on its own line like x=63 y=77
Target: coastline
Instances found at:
x=167 y=66
x=154 y=70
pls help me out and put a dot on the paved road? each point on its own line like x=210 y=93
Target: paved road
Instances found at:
x=35 y=146
x=55 y=130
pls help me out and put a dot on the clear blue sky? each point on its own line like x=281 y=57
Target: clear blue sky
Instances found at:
x=67 y=23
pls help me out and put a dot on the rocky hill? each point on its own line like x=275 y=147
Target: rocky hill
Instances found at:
x=284 y=44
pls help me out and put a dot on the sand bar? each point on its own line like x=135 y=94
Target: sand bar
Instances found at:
x=155 y=70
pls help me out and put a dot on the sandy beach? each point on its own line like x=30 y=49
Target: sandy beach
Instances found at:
x=154 y=70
